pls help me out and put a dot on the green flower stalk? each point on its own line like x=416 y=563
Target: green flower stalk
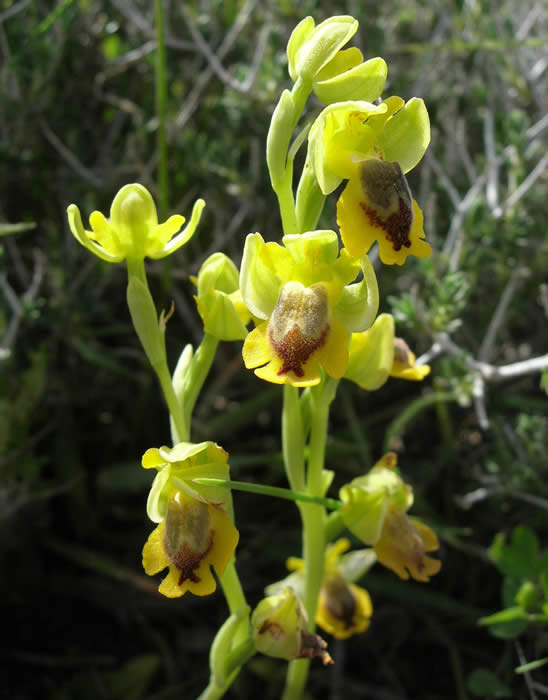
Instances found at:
x=131 y=234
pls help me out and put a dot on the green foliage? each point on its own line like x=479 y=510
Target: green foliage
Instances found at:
x=525 y=571
x=484 y=683
x=77 y=406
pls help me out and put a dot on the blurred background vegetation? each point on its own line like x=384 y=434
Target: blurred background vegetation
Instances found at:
x=78 y=404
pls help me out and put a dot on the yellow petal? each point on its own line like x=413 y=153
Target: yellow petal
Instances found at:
x=343 y=609
x=402 y=549
x=398 y=231
x=272 y=373
x=257 y=350
x=152 y=458
x=194 y=537
x=333 y=356
x=278 y=259
x=154 y=556
x=225 y=539
x=415 y=374
x=357 y=231
x=427 y=535
x=417 y=245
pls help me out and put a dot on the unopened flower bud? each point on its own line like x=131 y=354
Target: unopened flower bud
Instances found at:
x=279 y=625
x=310 y=48
x=219 y=300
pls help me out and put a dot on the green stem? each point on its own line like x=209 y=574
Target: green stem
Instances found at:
x=310 y=200
x=161 y=110
x=397 y=426
x=284 y=190
x=147 y=327
x=313 y=517
x=196 y=376
x=274 y=491
x=174 y=406
x=293 y=438
x=232 y=589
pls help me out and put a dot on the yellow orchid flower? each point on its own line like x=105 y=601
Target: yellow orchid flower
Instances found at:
x=194 y=530
x=306 y=307
x=402 y=546
x=344 y=609
x=403 y=365
x=133 y=231
x=373 y=146
x=279 y=624
x=193 y=537
x=376 y=506
x=377 y=354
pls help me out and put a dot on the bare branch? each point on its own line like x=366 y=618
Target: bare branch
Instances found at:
x=478 y=394
x=492 y=189
x=13 y=10
x=487 y=371
x=527 y=676
x=69 y=157
x=500 y=313
x=214 y=62
x=191 y=101
x=525 y=186
x=444 y=180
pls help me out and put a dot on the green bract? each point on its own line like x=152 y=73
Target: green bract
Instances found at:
x=133 y=232
x=177 y=467
x=367 y=499
x=219 y=300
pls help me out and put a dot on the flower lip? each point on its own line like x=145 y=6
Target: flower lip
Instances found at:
x=340 y=602
x=388 y=203
x=402 y=353
x=298 y=325
x=188 y=537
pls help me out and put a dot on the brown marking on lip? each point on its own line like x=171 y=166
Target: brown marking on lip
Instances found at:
x=397 y=227
x=401 y=351
x=340 y=601
x=298 y=325
x=188 y=537
x=295 y=350
x=388 y=203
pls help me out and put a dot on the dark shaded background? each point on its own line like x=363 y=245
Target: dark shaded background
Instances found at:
x=78 y=404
